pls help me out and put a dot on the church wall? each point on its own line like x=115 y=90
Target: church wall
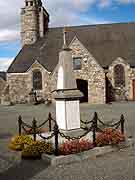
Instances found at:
x=127 y=90
x=90 y=71
x=20 y=84
x=19 y=87
x=46 y=82
x=2 y=86
x=131 y=76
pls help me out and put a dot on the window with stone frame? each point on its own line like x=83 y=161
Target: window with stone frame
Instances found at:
x=77 y=65
x=119 y=75
x=31 y=3
x=37 y=80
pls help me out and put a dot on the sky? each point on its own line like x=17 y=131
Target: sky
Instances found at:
x=62 y=13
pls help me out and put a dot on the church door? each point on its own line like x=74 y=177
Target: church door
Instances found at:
x=82 y=85
x=109 y=91
x=134 y=89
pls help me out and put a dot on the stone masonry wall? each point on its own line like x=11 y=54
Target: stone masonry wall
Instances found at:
x=90 y=71
x=2 y=86
x=20 y=84
x=128 y=82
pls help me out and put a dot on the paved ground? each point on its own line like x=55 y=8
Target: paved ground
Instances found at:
x=116 y=166
x=9 y=115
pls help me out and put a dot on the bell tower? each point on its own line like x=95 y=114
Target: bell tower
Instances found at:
x=34 y=21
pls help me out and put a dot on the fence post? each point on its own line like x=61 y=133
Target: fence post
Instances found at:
x=20 y=125
x=56 y=133
x=34 y=128
x=94 y=128
x=122 y=121
x=50 y=119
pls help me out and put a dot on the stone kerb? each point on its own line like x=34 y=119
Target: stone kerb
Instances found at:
x=93 y=153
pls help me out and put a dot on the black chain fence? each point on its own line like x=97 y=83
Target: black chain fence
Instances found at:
x=94 y=127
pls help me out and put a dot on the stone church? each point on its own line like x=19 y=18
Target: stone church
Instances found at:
x=103 y=59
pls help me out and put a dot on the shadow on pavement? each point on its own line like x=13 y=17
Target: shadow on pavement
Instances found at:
x=24 y=170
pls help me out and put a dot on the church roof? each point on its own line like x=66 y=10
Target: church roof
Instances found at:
x=105 y=42
x=3 y=75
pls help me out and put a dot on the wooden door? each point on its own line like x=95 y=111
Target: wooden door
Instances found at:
x=134 y=89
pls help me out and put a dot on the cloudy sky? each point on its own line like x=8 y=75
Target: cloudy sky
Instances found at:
x=62 y=12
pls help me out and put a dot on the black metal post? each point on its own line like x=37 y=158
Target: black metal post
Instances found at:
x=56 y=133
x=122 y=121
x=94 y=125
x=20 y=125
x=34 y=128
x=50 y=119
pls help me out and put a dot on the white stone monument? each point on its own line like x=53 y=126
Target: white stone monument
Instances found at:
x=67 y=95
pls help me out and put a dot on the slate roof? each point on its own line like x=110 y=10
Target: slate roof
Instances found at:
x=106 y=42
x=3 y=75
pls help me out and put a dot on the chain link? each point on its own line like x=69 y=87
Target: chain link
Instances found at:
x=86 y=122
x=25 y=130
x=46 y=138
x=109 y=125
x=75 y=138
x=43 y=124
x=27 y=125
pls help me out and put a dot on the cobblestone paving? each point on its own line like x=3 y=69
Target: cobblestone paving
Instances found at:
x=116 y=166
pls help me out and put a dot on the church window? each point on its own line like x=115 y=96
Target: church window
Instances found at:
x=119 y=75
x=37 y=80
x=77 y=63
x=31 y=3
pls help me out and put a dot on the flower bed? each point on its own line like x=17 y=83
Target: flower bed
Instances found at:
x=75 y=146
x=18 y=142
x=30 y=149
x=109 y=136
x=34 y=149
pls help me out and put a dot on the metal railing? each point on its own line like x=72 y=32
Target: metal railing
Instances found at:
x=56 y=133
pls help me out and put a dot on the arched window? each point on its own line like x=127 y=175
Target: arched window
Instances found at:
x=119 y=75
x=37 y=80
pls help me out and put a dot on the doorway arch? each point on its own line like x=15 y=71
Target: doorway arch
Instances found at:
x=82 y=85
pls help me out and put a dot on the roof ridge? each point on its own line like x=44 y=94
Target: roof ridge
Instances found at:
x=90 y=25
